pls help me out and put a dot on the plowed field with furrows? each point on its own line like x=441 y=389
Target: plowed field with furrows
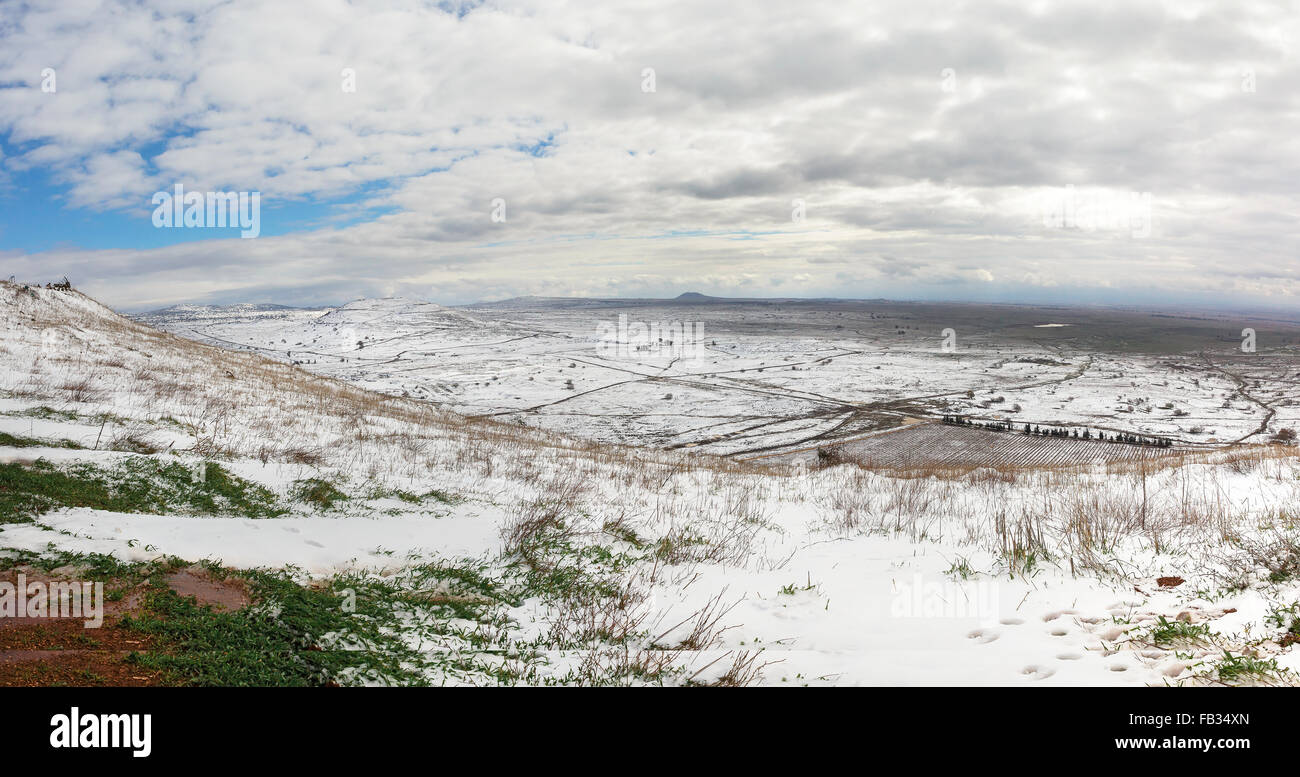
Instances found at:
x=941 y=445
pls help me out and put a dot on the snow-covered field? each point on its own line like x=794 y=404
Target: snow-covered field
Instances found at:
x=614 y=564
x=752 y=377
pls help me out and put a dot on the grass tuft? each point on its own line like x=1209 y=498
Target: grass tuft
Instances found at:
x=321 y=493
x=136 y=485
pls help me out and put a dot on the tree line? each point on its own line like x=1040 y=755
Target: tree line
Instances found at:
x=1061 y=432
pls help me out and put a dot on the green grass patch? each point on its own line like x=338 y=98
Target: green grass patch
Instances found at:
x=1288 y=620
x=1238 y=668
x=348 y=629
x=1166 y=631
x=294 y=635
x=411 y=497
x=92 y=566
x=47 y=413
x=794 y=588
x=435 y=495
x=10 y=441
x=961 y=568
x=136 y=485
x=621 y=532
x=321 y=493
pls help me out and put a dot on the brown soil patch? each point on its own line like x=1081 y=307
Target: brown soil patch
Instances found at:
x=225 y=595
x=78 y=668
x=63 y=651
x=130 y=602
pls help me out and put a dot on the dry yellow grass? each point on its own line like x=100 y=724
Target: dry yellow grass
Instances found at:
x=230 y=399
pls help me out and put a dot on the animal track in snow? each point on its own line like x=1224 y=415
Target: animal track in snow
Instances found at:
x=982 y=636
x=1175 y=668
x=1111 y=634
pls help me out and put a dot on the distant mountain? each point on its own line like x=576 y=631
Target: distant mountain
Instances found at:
x=243 y=307
x=178 y=315
x=688 y=298
x=396 y=311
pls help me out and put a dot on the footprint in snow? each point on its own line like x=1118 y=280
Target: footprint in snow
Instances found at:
x=982 y=636
x=314 y=543
x=1011 y=621
x=1035 y=672
x=1126 y=604
x=1175 y=668
x=1111 y=634
x=1069 y=656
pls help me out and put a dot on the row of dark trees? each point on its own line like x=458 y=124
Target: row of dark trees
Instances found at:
x=1064 y=433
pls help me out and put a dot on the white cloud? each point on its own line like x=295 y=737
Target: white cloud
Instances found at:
x=842 y=105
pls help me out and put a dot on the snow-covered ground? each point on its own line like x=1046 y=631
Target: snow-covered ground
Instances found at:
x=734 y=377
x=629 y=556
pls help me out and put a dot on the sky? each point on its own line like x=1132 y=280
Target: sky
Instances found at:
x=1127 y=153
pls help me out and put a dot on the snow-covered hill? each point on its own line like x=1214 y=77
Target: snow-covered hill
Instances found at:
x=509 y=554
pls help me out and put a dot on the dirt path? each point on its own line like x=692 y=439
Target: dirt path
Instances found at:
x=1269 y=410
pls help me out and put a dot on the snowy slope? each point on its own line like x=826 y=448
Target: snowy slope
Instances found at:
x=735 y=572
